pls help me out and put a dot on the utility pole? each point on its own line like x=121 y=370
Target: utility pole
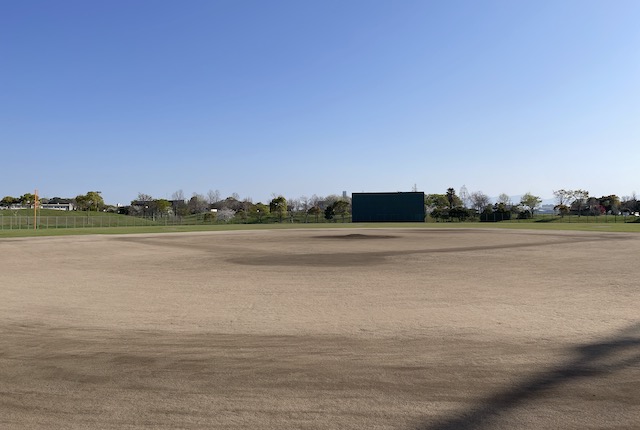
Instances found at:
x=35 y=210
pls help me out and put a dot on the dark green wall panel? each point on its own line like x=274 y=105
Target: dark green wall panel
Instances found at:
x=388 y=207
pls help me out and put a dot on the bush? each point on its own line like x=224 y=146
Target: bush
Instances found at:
x=524 y=215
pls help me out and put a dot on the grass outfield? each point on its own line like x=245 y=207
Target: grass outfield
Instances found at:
x=605 y=227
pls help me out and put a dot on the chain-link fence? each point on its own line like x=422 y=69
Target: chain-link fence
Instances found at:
x=92 y=220
x=21 y=222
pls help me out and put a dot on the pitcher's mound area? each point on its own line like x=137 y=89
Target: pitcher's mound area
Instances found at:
x=321 y=329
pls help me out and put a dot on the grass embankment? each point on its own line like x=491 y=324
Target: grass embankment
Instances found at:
x=53 y=219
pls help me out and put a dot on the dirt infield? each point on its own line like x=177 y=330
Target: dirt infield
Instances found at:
x=333 y=329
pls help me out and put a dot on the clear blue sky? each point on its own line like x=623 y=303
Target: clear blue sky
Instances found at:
x=316 y=97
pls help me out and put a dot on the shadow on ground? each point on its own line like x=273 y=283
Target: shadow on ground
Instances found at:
x=360 y=258
x=592 y=360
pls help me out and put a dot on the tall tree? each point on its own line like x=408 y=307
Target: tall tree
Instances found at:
x=161 y=206
x=315 y=211
x=278 y=206
x=630 y=203
x=479 y=201
x=145 y=198
x=504 y=199
x=595 y=208
x=90 y=201
x=178 y=195
x=530 y=202
x=452 y=198
x=329 y=213
x=178 y=204
x=580 y=198
x=260 y=210
x=611 y=203
x=27 y=199
x=563 y=199
x=213 y=196
x=198 y=204
x=341 y=207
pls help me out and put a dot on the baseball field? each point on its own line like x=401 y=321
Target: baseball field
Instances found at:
x=385 y=328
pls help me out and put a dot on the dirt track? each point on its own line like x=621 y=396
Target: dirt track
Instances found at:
x=321 y=329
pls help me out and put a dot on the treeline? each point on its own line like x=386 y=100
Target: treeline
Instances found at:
x=448 y=206
x=478 y=206
x=211 y=207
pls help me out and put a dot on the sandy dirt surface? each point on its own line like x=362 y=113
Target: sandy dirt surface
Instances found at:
x=427 y=329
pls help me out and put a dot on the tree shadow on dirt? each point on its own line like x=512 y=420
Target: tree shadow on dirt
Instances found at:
x=598 y=359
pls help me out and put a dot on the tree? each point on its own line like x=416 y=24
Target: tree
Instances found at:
x=144 y=198
x=315 y=211
x=293 y=206
x=143 y=203
x=278 y=206
x=89 y=201
x=8 y=201
x=213 y=196
x=225 y=214
x=452 y=198
x=178 y=204
x=479 y=201
x=504 y=199
x=564 y=197
x=499 y=212
x=630 y=203
x=228 y=203
x=341 y=207
x=246 y=207
x=314 y=200
x=260 y=210
x=27 y=199
x=331 y=199
x=441 y=213
x=96 y=200
x=197 y=204
x=435 y=201
x=610 y=203
x=329 y=213
x=305 y=204
x=580 y=198
x=178 y=195
x=460 y=213
x=595 y=208
x=530 y=202
x=162 y=206
x=562 y=210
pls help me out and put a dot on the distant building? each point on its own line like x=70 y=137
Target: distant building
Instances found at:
x=57 y=206
x=546 y=209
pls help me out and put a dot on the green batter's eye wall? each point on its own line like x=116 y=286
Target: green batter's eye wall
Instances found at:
x=387 y=207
